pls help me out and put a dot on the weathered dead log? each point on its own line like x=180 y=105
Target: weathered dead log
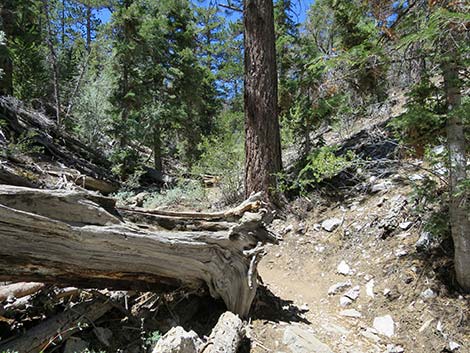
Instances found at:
x=253 y=203
x=73 y=238
x=58 y=328
x=19 y=290
x=7 y=177
x=86 y=181
x=174 y=223
x=226 y=335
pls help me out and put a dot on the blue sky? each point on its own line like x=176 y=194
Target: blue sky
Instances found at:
x=300 y=9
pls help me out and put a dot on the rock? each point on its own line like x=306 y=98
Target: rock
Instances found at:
x=317 y=227
x=416 y=177
x=384 y=325
x=371 y=334
x=331 y=224
x=103 y=335
x=319 y=248
x=428 y=294
x=75 y=344
x=343 y=268
x=383 y=186
x=345 y=301
x=426 y=242
x=353 y=293
x=439 y=150
x=401 y=252
x=453 y=346
x=288 y=229
x=303 y=341
x=394 y=348
x=333 y=328
x=177 y=340
x=370 y=288
x=335 y=288
x=405 y=225
x=351 y=313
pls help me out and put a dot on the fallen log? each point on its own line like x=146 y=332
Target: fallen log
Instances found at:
x=58 y=328
x=226 y=335
x=78 y=239
x=253 y=203
x=19 y=290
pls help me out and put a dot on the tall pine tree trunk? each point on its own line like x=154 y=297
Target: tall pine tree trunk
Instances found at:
x=262 y=136
x=54 y=60
x=459 y=198
x=6 y=64
x=157 y=148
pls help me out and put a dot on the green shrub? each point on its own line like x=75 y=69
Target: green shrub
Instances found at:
x=25 y=144
x=186 y=193
x=322 y=164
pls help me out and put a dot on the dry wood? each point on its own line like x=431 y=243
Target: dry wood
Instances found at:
x=73 y=238
x=175 y=223
x=226 y=335
x=19 y=290
x=253 y=203
x=58 y=328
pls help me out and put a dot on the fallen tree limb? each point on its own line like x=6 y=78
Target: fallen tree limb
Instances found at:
x=251 y=204
x=58 y=328
x=73 y=238
x=19 y=290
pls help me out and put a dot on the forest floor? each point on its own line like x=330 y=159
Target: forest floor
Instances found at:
x=376 y=238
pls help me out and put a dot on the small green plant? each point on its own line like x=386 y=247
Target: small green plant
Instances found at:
x=153 y=338
x=25 y=144
x=322 y=164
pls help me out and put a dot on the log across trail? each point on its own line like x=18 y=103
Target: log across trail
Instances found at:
x=81 y=239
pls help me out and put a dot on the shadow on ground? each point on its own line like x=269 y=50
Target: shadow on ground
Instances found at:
x=268 y=306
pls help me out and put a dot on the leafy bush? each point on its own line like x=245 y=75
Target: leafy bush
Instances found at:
x=424 y=118
x=322 y=164
x=25 y=144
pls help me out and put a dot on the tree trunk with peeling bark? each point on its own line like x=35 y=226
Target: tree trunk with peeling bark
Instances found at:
x=80 y=239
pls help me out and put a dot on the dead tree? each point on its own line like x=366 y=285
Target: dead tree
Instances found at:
x=80 y=239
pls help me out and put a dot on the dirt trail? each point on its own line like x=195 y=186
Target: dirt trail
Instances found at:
x=297 y=315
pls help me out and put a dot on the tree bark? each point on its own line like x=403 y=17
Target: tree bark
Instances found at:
x=6 y=64
x=262 y=136
x=79 y=239
x=459 y=210
x=157 y=148
x=54 y=61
